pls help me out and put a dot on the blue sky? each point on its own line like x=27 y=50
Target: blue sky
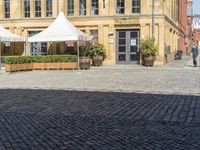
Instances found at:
x=196 y=6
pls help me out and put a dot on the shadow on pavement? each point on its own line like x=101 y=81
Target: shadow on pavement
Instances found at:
x=73 y=120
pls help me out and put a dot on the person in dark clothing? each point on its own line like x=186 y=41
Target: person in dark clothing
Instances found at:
x=195 y=53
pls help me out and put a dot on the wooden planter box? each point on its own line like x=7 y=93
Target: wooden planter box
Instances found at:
x=29 y=66
x=69 y=65
x=38 y=66
x=18 y=67
x=9 y=67
x=52 y=66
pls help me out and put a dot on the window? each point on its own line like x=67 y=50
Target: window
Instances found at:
x=70 y=8
x=104 y=4
x=37 y=8
x=120 y=7
x=135 y=6
x=94 y=33
x=82 y=7
x=6 y=47
x=7 y=8
x=49 y=8
x=94 y=7
x=26 y=8
x=44 y=48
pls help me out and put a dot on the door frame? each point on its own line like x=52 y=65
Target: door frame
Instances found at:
x=127 y=52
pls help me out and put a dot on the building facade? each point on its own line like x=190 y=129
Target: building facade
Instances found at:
x=118 y=24
x=182 y=26
x=196 y=22
x=189 y=33
x=196 y=29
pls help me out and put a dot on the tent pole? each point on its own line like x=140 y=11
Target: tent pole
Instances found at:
x=25 y=48
x=78 y=53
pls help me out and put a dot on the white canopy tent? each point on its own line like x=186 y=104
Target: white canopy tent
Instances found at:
x=61 y=30
x=7 y=36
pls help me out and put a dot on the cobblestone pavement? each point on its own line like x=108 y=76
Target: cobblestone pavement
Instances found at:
x=185 y=63
x=142 y=109
x=128 y=79
x=80 y=120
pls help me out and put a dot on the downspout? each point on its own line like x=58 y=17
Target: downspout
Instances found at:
x=57 y=7
x=153 y=3
x=78 y=53
x=0 y=54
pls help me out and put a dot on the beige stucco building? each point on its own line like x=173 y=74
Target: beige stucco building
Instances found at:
x=118 y=24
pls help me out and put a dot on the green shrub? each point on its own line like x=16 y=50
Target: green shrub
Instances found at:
x=17 y=59
x=39 y=59
x=148 y=46
x=97 y=50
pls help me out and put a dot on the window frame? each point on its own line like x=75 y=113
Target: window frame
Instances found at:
x=120 y=6
x=27 y=13
x=49 y=12
x=70 y=7
x=84 y=9
x=38 y=8
x=94 y=7
x=136 y=8
x=95 y=34
x=6 y=8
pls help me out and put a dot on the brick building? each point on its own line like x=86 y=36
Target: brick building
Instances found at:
x=182 y=25
x=118 y=24
x=189 y=32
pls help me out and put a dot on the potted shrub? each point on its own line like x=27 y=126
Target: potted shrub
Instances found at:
x=84 y=53
x=97 y=52
x=148 y=51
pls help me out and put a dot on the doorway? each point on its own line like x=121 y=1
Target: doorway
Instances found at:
x=128 y=49
x=37 y=48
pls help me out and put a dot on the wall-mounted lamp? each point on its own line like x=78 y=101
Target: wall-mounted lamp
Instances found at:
x=110 y=33
x=22 y=28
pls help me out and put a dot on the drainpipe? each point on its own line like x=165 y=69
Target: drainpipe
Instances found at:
x=57 y=7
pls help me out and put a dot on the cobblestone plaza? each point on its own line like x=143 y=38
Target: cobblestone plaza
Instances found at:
x=106 y=108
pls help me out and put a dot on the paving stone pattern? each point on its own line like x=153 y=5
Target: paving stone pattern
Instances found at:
x=86 y=120
x=130 y=79
x=142 y=109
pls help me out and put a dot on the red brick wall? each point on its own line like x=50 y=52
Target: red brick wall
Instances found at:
x=182 y=25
